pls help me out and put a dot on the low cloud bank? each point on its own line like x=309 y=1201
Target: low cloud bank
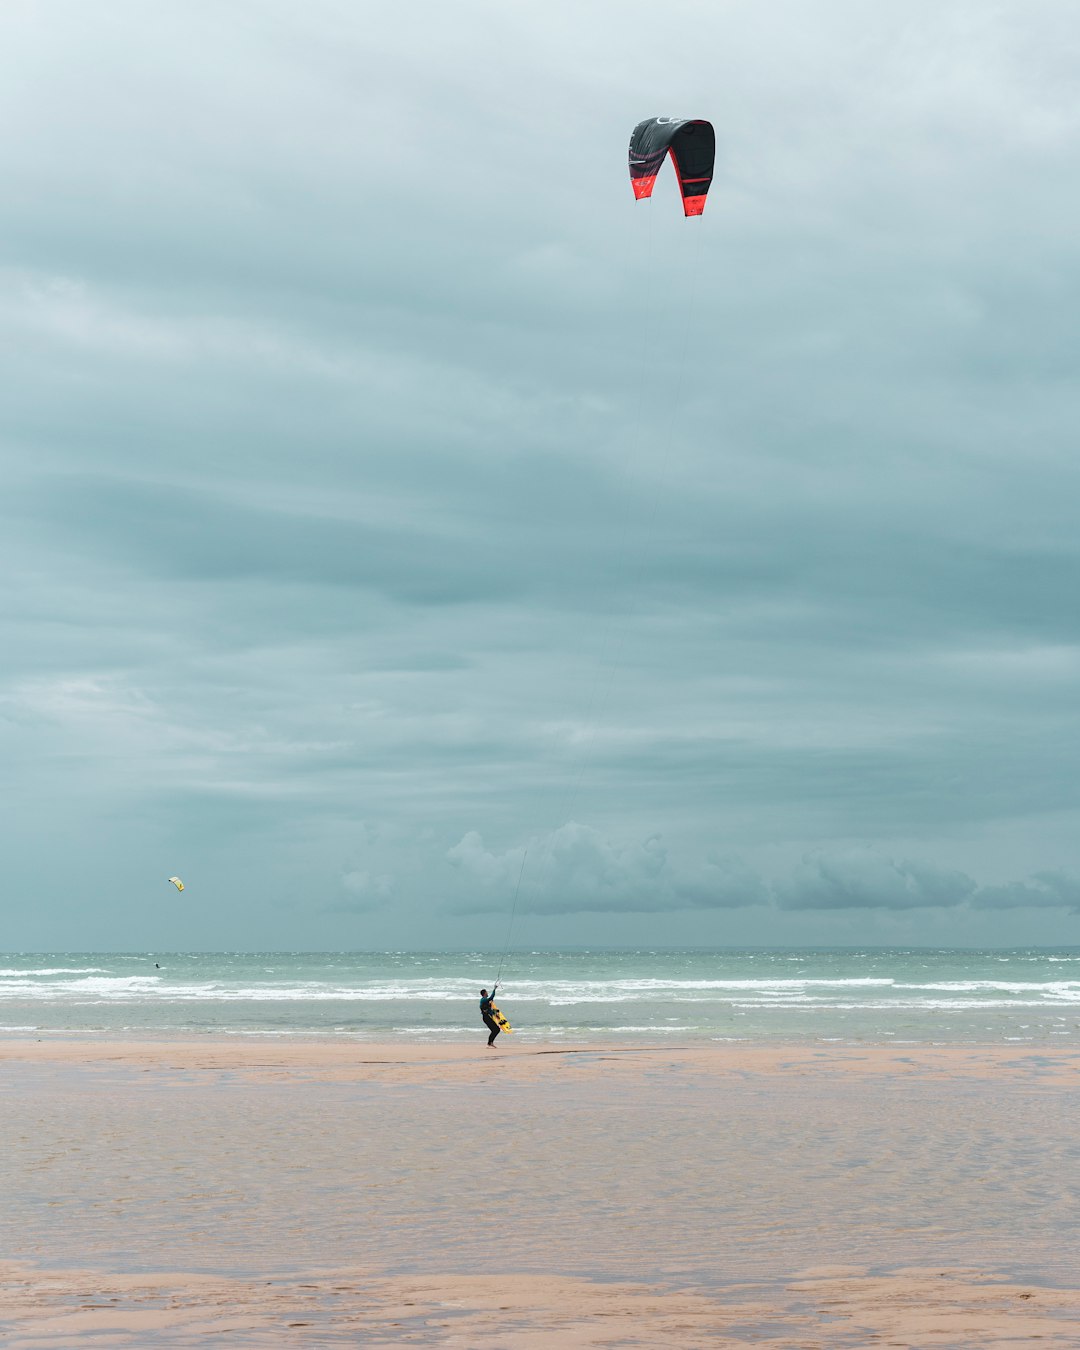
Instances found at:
x=863 y=879
x=1045 y=890
x=578 y=871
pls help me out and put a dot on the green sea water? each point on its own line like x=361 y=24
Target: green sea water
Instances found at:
x=871 y=994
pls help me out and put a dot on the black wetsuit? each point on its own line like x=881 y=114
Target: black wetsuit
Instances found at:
x=489 y=1021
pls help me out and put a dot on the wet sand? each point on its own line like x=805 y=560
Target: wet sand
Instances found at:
x=263 y=1192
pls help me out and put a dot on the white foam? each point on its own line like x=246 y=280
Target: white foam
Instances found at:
x=52 y=970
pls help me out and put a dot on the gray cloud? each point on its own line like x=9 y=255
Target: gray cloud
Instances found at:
x=862 y=879
x=578 y=871
x=363 y=893
x=866 y=879
x=377 y=477
x=1045 y=890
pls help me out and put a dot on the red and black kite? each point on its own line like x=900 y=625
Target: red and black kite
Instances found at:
x=692 y=146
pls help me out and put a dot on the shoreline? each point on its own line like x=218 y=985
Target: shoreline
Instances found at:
x=340 y=1053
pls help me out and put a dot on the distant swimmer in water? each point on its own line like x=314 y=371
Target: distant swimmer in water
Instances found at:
x=487 y=1002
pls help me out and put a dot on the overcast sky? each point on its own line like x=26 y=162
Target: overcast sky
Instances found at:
x=386 y=493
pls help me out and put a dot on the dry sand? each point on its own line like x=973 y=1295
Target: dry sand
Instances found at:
x=267 y=1193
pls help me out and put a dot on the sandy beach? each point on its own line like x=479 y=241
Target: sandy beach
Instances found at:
x=267 y=1192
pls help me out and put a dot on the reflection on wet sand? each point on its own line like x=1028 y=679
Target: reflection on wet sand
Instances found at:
x=803 y=1195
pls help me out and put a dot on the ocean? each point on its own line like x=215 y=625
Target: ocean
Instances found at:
x=848 y=996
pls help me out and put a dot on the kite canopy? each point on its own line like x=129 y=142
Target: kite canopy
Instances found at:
x=692 y=146
x=177 y=883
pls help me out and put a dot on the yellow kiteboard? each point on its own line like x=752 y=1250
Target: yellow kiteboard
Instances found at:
x=500 y=1020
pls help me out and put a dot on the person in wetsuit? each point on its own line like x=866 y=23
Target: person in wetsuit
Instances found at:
x=486 y=1000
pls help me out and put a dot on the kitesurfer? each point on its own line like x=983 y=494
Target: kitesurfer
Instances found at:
x=486 y=1002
